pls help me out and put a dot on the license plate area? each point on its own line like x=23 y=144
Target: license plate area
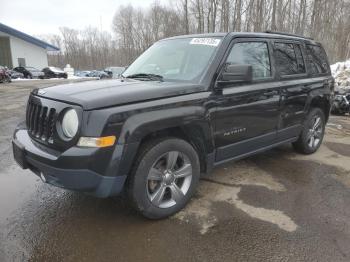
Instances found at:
x=19 y=154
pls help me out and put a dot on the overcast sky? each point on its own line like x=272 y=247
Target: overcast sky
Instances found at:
x=37 y=17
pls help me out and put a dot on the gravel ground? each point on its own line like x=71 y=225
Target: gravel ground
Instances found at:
x=276 y=206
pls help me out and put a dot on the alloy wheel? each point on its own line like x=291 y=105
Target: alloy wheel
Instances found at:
x=315 y=132
x=169 y=179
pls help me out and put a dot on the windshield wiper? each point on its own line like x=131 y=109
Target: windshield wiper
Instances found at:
x=152 y=77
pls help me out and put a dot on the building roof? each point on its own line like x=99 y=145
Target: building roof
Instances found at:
x=30 y=39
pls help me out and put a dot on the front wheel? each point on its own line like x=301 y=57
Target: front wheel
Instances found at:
x=312 y=135
x=164 y=178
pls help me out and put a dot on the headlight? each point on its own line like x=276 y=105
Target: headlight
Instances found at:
x=70 y=123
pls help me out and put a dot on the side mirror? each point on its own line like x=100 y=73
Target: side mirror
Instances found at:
x=236 y=74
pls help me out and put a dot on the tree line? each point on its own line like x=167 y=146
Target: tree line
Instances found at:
x=134 y=29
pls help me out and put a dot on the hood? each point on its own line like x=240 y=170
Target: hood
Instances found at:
x=106 y=93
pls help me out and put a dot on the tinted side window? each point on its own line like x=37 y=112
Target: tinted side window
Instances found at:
x=289 y=60
x=317 y=59
x=252 y=53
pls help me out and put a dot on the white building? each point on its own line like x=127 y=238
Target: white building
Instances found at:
x=20 y=49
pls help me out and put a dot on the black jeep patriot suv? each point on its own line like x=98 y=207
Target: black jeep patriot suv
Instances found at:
x=185 y=105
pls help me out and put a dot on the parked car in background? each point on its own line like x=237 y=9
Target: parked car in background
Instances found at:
x=54 y=72
x=98 y=74
x=341 y=104
x=29 y=72
x=14 y=74
x=81 y=73
x=4 y=75
x=114 y=71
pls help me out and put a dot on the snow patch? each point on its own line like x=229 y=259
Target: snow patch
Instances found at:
x=341 y=73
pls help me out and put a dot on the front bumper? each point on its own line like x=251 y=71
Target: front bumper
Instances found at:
x=69 y=169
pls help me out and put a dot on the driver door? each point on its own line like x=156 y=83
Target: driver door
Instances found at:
x=247 y=113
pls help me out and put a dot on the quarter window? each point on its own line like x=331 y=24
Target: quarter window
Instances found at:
x=255 y=54
x=317 y=59
x=289 y=59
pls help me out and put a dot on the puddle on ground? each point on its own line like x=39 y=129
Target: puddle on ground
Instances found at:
x=16 y=185
x=325 y=156
x=339 y=148
x=246 y=173
x=224 y=186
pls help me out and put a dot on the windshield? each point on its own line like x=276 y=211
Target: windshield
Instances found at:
x=176 y=59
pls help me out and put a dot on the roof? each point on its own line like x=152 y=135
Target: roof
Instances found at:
x=30 y=39
x=275 y=35
x=197 y=35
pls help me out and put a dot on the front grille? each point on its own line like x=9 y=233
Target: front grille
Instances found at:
x=41 y=121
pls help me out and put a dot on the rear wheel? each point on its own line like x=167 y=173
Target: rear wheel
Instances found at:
x=164 y=178
x=312 y=135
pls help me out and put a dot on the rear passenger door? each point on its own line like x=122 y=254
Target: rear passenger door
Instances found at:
x=294 y=86
x=247 y=114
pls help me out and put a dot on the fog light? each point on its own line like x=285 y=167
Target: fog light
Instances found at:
x=97 y=141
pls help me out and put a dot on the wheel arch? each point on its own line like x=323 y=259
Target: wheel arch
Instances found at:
x=322 y=102
x=190 y=125
x=193 y=134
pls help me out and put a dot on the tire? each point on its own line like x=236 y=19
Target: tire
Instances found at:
x=312 y=134
x=161 y=193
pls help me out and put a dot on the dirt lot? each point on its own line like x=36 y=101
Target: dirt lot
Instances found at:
x=276 y=206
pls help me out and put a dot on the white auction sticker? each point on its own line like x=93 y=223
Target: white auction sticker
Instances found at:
x=205 y=41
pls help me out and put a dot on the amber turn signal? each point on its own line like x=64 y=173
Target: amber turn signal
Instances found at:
x=97 y=141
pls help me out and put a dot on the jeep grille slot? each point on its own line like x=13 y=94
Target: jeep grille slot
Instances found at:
x=40 y=121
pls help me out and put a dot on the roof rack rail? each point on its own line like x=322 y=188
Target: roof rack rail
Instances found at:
x=288 y=34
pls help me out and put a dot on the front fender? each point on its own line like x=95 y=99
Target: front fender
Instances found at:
x=138 y=126
x=194 y=121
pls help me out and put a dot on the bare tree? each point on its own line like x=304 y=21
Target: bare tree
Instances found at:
x=134 y=30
